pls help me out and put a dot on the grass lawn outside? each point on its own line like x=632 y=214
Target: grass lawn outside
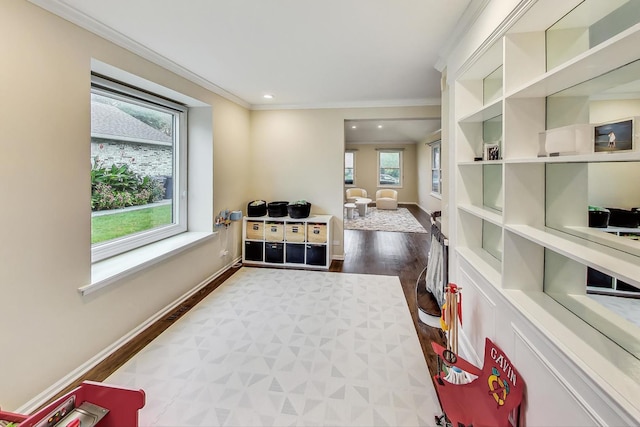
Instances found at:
x=108 y=227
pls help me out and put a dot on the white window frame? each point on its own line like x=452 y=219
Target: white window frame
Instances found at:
x=353 y=153
x=401 y=167
x=436 y=146
x=104 y=86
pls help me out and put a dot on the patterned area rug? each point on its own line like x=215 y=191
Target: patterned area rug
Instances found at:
x=273 y=347
x=400 y=220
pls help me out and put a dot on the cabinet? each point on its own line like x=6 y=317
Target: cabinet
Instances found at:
x=287 y=242
x=520 y=221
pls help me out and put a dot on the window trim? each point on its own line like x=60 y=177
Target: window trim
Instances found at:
x=436 y=145
x=111 y=88
x=401 y=167
x=353 y=152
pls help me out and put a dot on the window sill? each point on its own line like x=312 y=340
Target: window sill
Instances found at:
x=108 y=271
x=436 y=195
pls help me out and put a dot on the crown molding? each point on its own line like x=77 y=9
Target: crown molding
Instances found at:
x=516 y=13
x=466 y=21
x=76 y=17
x=424 y=102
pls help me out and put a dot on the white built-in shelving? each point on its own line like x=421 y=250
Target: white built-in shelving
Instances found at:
x=521 y=221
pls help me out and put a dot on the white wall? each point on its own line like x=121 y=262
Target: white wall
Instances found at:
x=48 y=329
x=299 y=154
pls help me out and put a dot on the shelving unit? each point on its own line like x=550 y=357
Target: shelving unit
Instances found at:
x=508 y=213
x=287 y=242
x=518 y=181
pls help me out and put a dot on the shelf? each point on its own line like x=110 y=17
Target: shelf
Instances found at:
x=282 y=242
x=607 y=260
x=482 y=162
x=491 y=215
x=607 y=56
x=487 y=112
x=484 y=263
x=582 y=158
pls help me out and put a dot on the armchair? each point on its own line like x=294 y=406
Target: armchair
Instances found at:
x=355 y=193
x=386 y=199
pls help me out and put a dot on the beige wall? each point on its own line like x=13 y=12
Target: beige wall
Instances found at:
x=426 y=199
x=48 y=329
x=299 y=154
x=367 y=170
x=44 y=166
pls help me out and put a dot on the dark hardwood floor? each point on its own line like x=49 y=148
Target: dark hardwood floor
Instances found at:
x=367 y=252
x=395 y=254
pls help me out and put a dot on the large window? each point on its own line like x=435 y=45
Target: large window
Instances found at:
x=138 y=168
x=390 y=168
x=436 y=171
x=349 y=168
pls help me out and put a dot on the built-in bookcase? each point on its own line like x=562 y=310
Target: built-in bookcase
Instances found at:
x=522 y=219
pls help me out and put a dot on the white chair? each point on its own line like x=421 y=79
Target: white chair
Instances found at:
x=355 y=193
x=386 y=199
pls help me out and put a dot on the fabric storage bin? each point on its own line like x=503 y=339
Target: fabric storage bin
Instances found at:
x=316 y=233
x=295 y=253
x=274 y=232
x=299 y=209
x=294 y=232
x=254 y=251
x=599 y=218
x=277 y=209
x=317 y=255
x=255 y=230
x=623 y=218
x=274 y=252
x=257 y=208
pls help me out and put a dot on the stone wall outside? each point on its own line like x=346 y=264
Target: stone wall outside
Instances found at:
x=144 y=159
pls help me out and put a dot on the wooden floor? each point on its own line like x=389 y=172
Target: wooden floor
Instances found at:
x=395 y=254
x=366 y=252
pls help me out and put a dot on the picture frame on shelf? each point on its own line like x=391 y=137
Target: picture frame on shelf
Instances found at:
x=491 y=151
x=614 y=136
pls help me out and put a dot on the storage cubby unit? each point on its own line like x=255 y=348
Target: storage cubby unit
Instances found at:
x=547 y=87
x=287 y=242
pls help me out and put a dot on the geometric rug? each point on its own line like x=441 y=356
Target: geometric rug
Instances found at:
x=385 y=220
x=274 y=347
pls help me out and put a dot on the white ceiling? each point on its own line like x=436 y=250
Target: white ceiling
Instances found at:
x=323 y=53
x=308 y=54
x=389 y=131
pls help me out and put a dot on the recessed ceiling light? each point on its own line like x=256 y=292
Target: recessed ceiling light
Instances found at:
x=379 y=126
x=354 y=127
x=268 y=96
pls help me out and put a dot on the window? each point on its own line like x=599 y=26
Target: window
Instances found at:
x=138 y=168
x=349 y=168
x=390 y=168
x=436 y=170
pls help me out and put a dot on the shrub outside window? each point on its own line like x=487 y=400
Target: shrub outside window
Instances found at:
x=138 y=168
x=390 y=168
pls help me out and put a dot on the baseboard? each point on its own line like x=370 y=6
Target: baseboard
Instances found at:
x=425 y=210
x=337 y=257
x=68 y=379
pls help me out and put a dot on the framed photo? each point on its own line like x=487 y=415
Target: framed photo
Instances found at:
x=613 y=136
x=491 y=151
